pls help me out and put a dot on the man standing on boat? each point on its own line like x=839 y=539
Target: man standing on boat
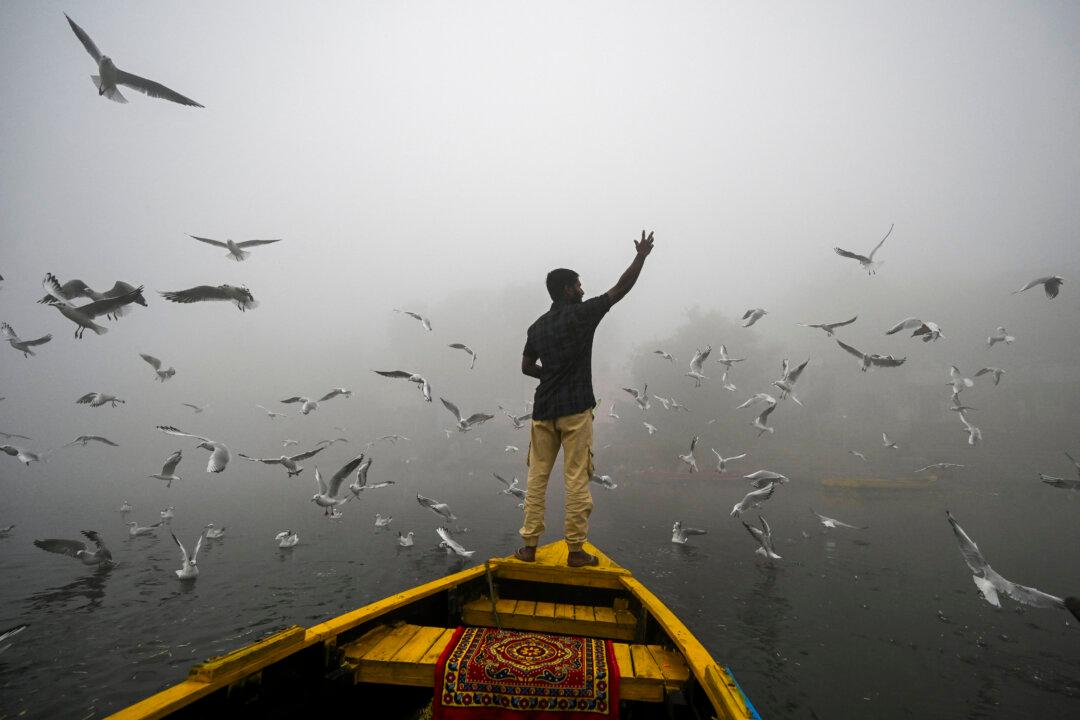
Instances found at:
x=558 y=352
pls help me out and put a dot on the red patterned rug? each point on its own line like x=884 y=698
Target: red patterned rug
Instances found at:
x=489 y=674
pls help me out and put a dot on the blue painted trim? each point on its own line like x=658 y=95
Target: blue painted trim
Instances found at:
x=749 y=705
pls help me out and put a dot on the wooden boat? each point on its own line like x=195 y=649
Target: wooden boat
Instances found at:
x=380 y=659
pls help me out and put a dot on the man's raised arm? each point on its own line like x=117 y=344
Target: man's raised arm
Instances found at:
x=644 y=247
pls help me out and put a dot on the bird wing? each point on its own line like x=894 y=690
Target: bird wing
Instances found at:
x=268 y=461
x=453 y=409
x=320 y=486
x=198 y=544
x=170 y=430
x=905 y=324
x=327 y=396
x=793 y=376
x=85 y=40
x=693 y=443
x=196 y=294
x=1033 y=283
x=52 y=286
x=309 y=453
x=501 y=479
x=88 y=398
x=477 y=418
x=183 y=550
x=757 y=533
x=1071 y=458
x=1031 y=596
x=218 y=459
x=208 y=241
x=295 y=399
x=93 y=537
x=394 y=373
x=171 y=462
x=853 y=351
x=968 y=548
x=848 y=254
x=842 y=324
x=253 y=243
x=765 y=413
x=346 y=470
x=8 y=331
x=152 y=89
x=878 y=246
x=63 y=547
x=110 y=305
x=38 y=341
x=154 y=362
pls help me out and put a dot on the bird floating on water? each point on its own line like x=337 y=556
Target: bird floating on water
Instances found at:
x=679 y=534
x=79 y=550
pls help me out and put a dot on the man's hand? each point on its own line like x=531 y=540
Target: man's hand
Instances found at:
x=644 y=245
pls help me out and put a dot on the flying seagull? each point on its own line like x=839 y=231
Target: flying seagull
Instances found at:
x=412 y=377
x=198 y=409
x=326 y=493
x=760 y=422
x=788 y=377
x=423 y=320
x=70 y=290
x=78 y=549
x=666 y=355
x=83 y=439
x=22 y=454
x=18 y=343
x=96 y=399
x=752 y=315
x=436 y=507
x=219 y=452
x=996 y=372
x=465 y=424
x=834 y=523
x=764 y=537
x=1000 y=335
x=753 y=499
x=467 y=349
x=511 y=487
x=689 y=458
x=518 y=420
x=83 y=321
x=867 y=261
x=289 y=462
x=721 y=461
x=679 y=534
x=168 y=470
x=888 y=443
x=725 y=360
x=700 y=356
x=236 y=249
x=307 y=405
x=761 y=478
x=867 y=360
x=604 y=481
x=928 y=330
x=287 y=539
x=162 y=375
x=452 y=545
x=650 y=427
x=1051 y=284
x=270 y=413
x=940 y=466
x=641 y=397
x=830 y=328
x=203 y=293
x=1061 y=482
x=111 y=76
x=336 y=392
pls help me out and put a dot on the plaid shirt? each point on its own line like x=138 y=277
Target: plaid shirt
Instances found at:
x=562 y=340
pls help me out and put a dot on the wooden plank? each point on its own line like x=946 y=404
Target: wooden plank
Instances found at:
x=545 y=610
x=525 y=607
x=505 y=606
x=418 y=646
x=229 y=662
x=625 y=619
x=632 y=687
x=644 y=664
x=624 y=659
x=582 y=577
x=432 y=655
x=564 y=611
x=391 y=643
x=584 y=613
x=358 y=648
x=672 y=666
x=604 y=615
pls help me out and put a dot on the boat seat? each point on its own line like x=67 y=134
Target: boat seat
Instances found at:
x=614 y=623
x=405 y=654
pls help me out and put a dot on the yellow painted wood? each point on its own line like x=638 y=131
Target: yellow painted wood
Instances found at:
x=414 y=650
x=584 y=613
x=503 y=606
x=394 y=641
x=217 y=666
x=551 y=567
x=396 y=658
x=603 y=614
x=432 y=655
x=370 y=639
x=564 y=611
x=625 y=619
x=525 y=607
x=570 y=620
x=671 y=664
x=624 y=659
x=632 y=687
x=545 y=610
x=644 y=664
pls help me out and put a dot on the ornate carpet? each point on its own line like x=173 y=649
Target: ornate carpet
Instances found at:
x=489 y=674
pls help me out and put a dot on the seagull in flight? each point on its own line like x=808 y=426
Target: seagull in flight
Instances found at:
x=641 y=397
x=518 y=420
x=465 y=424
x=417 y=316
x=326 y=493
x=604 y=481
x=650 y=427
x=18 y=343
x=412 y=377
x=928 y=330
x=1061 y=482
x=663 y=401
x=467 y=349
x=858 y=454
x=289 y=462
x=204 y=293
x=83 y=439
x=1000 y=335
x=611 y=412
x=725 y=359
x=79 y=550
x=219 y=452
x=162 y=375
x=23 y=455
x=940 y=466
x=867 y=261
x=753 y=499
x=996 y=372
x=307 y=405
x=452 y=545
x=974 y=433
x=725 y=384
x=788 y=377
x=760 y=422
x=830 y=328
x=871 y=359
x=762 y=478
x=188 y=569
x=752 y=315
x=958 y=382
x=764 y=537
x=439 y=508
x=1051 y=284
x=83 y=321
x=270 y=413
x=689 y=458
x=236 y=249
x=834 y=523
x=721 y=461
x=96 y=399
x=70 y=290
x=198 y=409
x=888 y=443
x=511 y=487
x=700 y=356
x=679 y=534
x=336 y=392
x=666 y=355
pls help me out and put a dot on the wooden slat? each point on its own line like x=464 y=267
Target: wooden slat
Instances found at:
x=545 y=610
x=625 y=618
x=389 y=645
x=584 y=613
x=525 y=607
x=370 y=639
x=672 y=665
x=418 y=646
x=432 y=655
x=564 y=611
x=632 y=687
x=503 y=605
x=644 y=664
x=603 y=614
x=563 y=619
x=624 y=659
x=216 y=667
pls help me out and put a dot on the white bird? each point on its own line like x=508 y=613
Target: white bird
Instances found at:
x=236 y=249
x=465 y=424
x=990 y=583
x=162 y=375
x=676 y=405
x=888 y=443
x=700 y=356
x=996 y=372
x=641 y=397
x=762 y=478
x=198 y=409
x=79 y=550
x=125 y=507
x=511 y=486
x=663 y=401
x=167 y=515
x=421 y=383
x=307 y=405
x=928 y=330
x=834 y=523
x=1061 y=482
x=958 y=382
x=336 y=392
x=760 y=422
x=650 y=427
x=611 y=412
x=725 y=384
x=287 y=539
x=287 y=443
x=511 y=449
x=96 y=399
x=764 y=537
x=168 y=470
x=82 y=320
x=270 y=413
x=467 y=349
x=22 y=454
x=83 y=439
x=110 y=76
x=18 y=343
x=788 y=377
x=1051 y=284
x=289 y=462
x=867 y=261
x=134 y=529
x=452 y=545
x=666 y=355
x=725 y=359
x=679 y=534
x=405 y=540
x=830 y=328
x=866 y=360
x=689 y=458
x=188 y=570
x=417 y=316
x=326 y=493
x=439 y=508
x=752 y=315
x=940 y=466
x=756 y=398
x=113 y=302
x=604 y=481
x=381 y=521
x=518 y=421
x=205 y=293
x=1000 y=335
x=213 y=533
x=974 y=433
x=219 y=452
x=753 y=499
x=858 y=454
x=721 y=461
x=70 y=290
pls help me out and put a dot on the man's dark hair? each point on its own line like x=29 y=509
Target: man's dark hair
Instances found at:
x=558 y=280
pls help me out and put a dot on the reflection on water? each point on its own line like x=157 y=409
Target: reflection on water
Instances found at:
x=90 y=587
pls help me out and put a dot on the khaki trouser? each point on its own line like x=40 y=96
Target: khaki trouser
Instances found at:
x=574 y=434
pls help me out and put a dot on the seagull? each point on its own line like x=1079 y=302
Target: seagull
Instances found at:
x=1051 y=284
x=675 y=405
x=270 y=413
x=721 y=461
x=188 y=570
x=9 y=436
x=24 y=456
x=834 y=523
x=423 y=320
x=725 y=359
x=417 y=378
x=788 y=378
x=1062 y=483
x=641 y=397
x=111 y=303
x=125 y=507
x=888 y=443
x=213 y=533
x=452 y=545
x=82 y=320
x=830 y=328
x=762 y=478
x=287 y=443
x=405 y=540
x=752 y=315
x=83 y=439
x=18 y=343
x=611 y=412
x=162 y=375
x=518 y=420
x=467 y=349
x=236 y=249
x=996 y=372
x=764 y=537
x=604 y=481
x=940 y=466
x=328 y=443
x=287 y=539
x=198 y=409
x=69 y=291
x=650 y=427
x=753 y=499
x=511 y=449
x=360 y=483
x=219 y=452
x=760 y=421
x=96 y=399
x=307 y=405
x=465 y=424
x=168 y=514
x=990 y=583
x=336 y=392
x=663 y=401
x=974 y=433
x=666 y=355
x=868 y=360
x=1000 y=335
x=928 y=330
x=326 y=493
x=289 y=462
x=757 y=397
x=436 y=507
x=696 y=365
x=867 y=261
x=203 y=293
x=858 y=454
x=381 y=521
x=134 y=529
x=725 y=384
x=689 y=458
x=679 y=533
x=77 y=549
x=111 y=76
